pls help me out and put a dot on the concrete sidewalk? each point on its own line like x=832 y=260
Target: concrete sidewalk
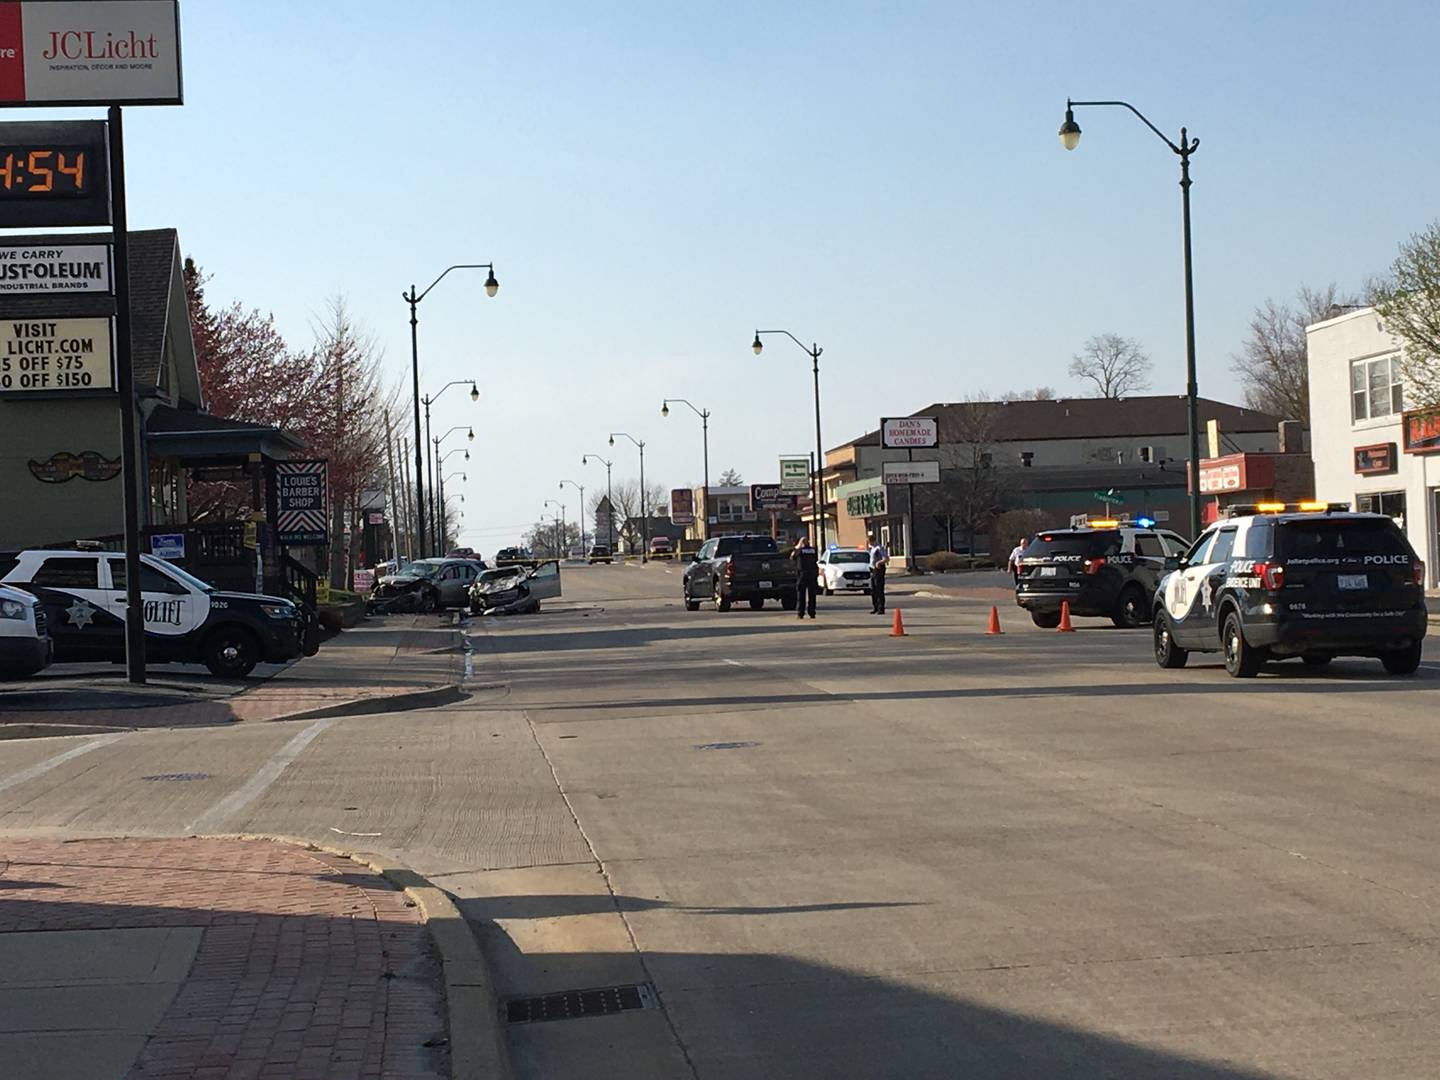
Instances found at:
x=206 y=958
x=382 y=665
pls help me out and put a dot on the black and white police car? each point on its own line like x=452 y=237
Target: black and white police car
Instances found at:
x=1108 y=567
x=25 y=645
x=82 y=594
x=1313 y=581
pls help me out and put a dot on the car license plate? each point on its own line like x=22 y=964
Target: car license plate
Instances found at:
x=1049 y=571
x=767 y=584
x=1354 y=581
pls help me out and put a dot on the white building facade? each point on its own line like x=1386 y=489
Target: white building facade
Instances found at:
x=1369 y=451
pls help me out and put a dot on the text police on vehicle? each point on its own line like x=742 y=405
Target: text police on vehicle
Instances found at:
x=1313 y=581
x=1108 y=567
x=186 y=620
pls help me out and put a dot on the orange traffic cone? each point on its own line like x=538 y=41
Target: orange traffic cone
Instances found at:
x=994 y=621
x=897 y=629
x=1065 y=627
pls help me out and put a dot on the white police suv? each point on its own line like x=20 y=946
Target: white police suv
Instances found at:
x=1313 y=581
x=25 y=645
x=82 y=594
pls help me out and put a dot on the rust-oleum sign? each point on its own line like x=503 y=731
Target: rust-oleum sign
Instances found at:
x=90 y=52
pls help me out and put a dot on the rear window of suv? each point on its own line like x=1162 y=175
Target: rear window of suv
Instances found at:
x=1338 y=538
x=1089 y=543
x=746 y=545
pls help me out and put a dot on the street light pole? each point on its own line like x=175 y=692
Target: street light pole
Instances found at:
x=437 y=500
x=444 y=529
x=559 y=539
x=644 y=511
x=817 y=483
x=427 y=400
x=1070 y=139
x=609 y=498
x=581 y=488
x=413 y=298
x=704 y=415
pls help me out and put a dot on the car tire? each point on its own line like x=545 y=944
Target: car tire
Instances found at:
x=787 y=603
x=757 y=603
x=692 y=605
x=722 y=602
x=829 y=591
x=1167 y=653
x=1130 y=608
x=1315 y=660
x=230 y=652
x=1046 y=620
x=1403 y=661
x=1242 y=660
x=429 y=602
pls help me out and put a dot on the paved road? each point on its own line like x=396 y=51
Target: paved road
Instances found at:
x=837 y=853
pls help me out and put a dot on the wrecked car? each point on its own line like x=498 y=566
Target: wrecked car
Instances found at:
x=515 y=590
x=425 y=585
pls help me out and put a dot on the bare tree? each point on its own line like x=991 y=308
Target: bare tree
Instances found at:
x=626 y=494
x=1040 y=393
x=972 y=489
x=1116 y=365
x=1271 y=363
x=1409 y=302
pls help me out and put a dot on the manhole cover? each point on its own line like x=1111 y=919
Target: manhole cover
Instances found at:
x=178 y=776
x=573 y=1004
x=726 y=745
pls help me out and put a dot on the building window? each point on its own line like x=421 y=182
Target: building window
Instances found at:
x=1375 y=389
x=1389 y=503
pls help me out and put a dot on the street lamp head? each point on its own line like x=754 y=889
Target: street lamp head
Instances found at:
x=467 y=455
x=756 y=345
x=665 y=409
x=474 y=392
x=612 y=440
x=491 y=285
x=1069 y=131
x=472 y=435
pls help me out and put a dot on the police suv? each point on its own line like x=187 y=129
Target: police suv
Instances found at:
x=25 y=645
x=83 y=596
x=1273 y=581
x=1108 y=567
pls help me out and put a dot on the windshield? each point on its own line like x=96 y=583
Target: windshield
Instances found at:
x=189 y=579
x=422 y=569
x=1338 y=538
x=850 y=556
x=1087 y=543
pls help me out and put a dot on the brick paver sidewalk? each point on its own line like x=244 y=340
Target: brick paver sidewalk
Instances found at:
x=309 y=965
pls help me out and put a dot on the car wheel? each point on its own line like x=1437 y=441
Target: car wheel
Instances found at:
x=429 y=602
x=1046 y=620
x=1315 y=659
x=692 y=605
x=1130 y=609
x=787 y=603
x=829 y=591
x=1403 y=661
x=722 y=602
x=1167 y=653
x=757 y=603
x=231 y=652
x=1242 y=660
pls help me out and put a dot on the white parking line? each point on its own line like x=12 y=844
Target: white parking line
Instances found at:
x=267 y=774
x=736 y=663
x=41 y=768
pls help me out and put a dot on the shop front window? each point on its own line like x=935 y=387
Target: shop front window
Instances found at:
x=1375 y=389
x=1389 y=503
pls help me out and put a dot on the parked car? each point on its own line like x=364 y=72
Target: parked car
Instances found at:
x=748 y=567
x=662 y=547
x=186 y=620
x=25 y=643
x=514 y=556
x=428 y=585
x=600 y=553
x=515 y=590
x=845 y=570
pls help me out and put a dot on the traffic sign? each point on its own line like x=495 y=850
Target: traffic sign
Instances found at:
x=1109 y=498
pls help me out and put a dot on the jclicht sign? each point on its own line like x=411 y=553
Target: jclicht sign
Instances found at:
x=60 y=268
x=90 y=52
x=50 y=356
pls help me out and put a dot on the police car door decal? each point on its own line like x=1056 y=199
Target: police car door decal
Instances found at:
x=171 y=607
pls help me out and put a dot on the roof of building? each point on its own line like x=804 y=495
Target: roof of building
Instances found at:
x=153 y=261
x=1082 y=418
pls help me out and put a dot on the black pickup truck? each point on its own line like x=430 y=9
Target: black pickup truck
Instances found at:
x=732 y=568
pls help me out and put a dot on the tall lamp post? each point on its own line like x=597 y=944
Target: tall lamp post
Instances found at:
x=644 y=511
x=435 y=449
x=444 y=538
x=560 y=536
x=818 y=486
x=609 y=499
x=581 y=488
x=427 y=400
x=413 y=298
x=1070 y=139
x=704 y=415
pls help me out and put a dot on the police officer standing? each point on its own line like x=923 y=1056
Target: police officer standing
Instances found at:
x=879 y=560
x=807 y=559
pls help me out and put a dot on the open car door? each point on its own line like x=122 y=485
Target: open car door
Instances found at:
x=544 y=580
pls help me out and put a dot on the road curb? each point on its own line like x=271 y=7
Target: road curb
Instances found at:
x=411 y=699
x=477 y=1043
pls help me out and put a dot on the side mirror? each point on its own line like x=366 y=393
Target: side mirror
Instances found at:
x=1174 y=562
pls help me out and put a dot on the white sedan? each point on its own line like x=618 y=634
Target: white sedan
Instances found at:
x=845 y=570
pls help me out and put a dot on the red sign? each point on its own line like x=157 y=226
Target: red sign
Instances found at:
x=1371 y=460
x=1215 y=478
x=1421 y=429
x=682 y=506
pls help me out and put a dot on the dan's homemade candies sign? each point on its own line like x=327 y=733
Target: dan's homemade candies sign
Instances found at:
x=96 y=52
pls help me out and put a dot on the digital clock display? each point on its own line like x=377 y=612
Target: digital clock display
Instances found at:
x=33 y=171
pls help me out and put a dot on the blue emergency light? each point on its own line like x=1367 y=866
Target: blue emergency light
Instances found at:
x=1145 y=522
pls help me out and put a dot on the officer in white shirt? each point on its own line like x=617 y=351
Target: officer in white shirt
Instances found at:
x=879 y=560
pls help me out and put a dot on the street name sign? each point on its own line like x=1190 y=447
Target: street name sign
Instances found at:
x=910 y=472
x=56 y=356
x=794 y=474
x=1109 y=498
x=90 y=52
x=59 y=268
x=909 y=432
x=301 y=507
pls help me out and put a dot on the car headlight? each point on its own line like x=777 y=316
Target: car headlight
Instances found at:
x=12 y=609
x=279 y=611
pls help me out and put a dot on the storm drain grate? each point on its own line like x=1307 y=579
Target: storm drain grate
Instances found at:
x=726 y=745
x=178 y=776
x=573 y=1004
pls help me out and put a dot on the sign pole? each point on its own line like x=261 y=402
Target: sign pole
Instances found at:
x=910 y=562
x=125 y=376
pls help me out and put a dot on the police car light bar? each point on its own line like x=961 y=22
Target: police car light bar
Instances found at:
x=1309 y=506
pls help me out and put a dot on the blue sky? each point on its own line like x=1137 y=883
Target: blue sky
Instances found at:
x=654 y=180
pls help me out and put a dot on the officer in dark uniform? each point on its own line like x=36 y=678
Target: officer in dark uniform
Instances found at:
x=807 y=559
